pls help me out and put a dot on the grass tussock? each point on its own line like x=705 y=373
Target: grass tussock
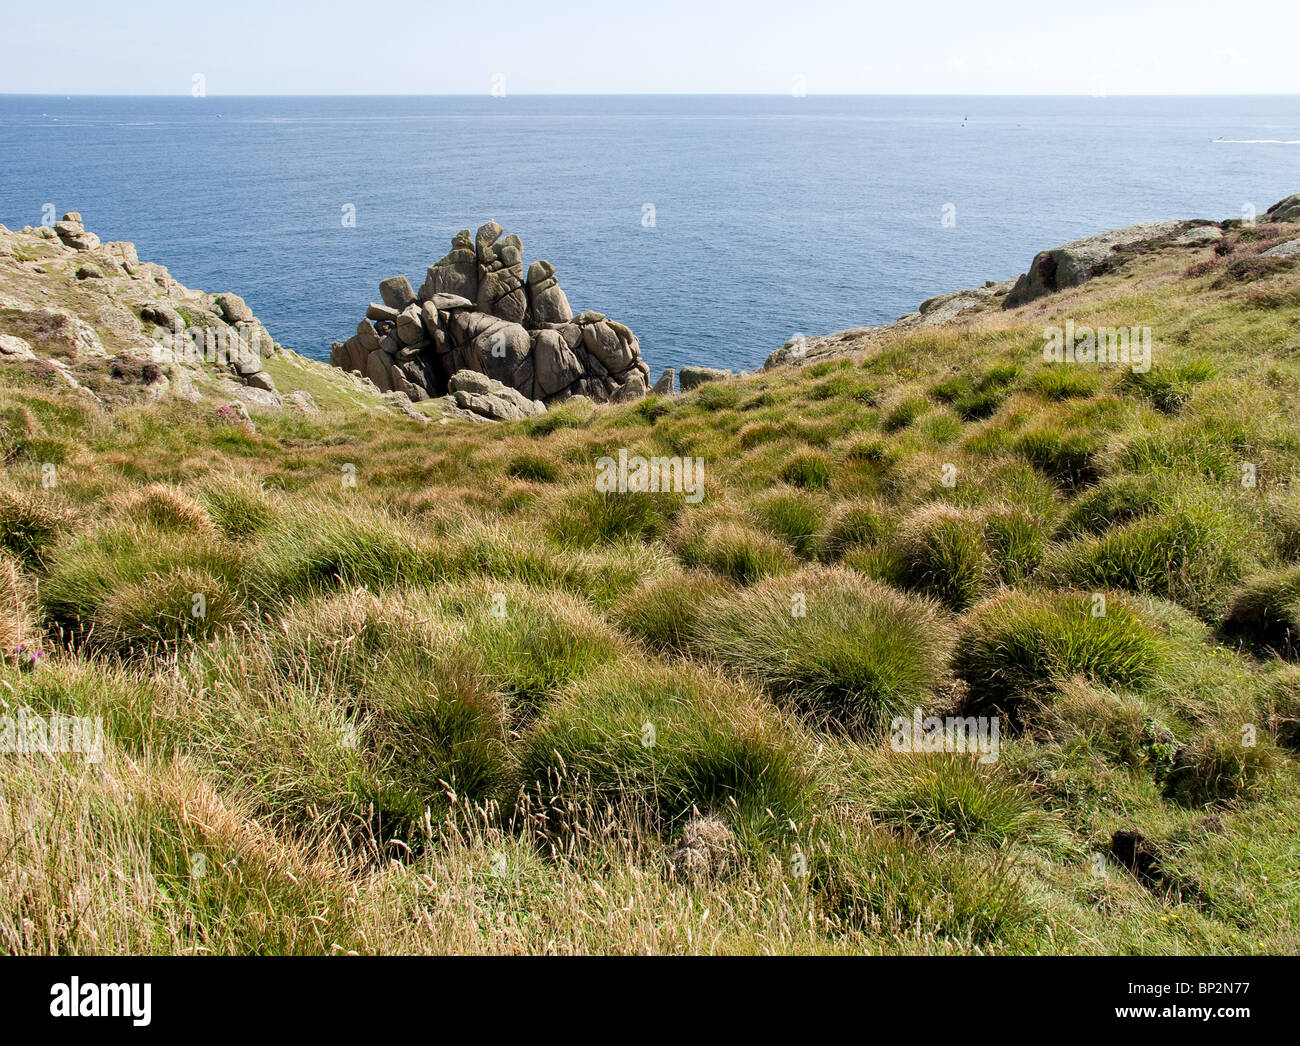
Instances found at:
x=844 y=650
x=18 y=628
x=953 y=798
x=942 y=553
x=1265 y=613
x=1191 y=554
x=1016 y=644
x=30 y=521
x=741 y=553
x=678 y=740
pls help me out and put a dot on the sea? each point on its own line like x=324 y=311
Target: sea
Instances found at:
x=716 y=227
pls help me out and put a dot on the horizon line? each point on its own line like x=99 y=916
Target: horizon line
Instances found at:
x=660 y=94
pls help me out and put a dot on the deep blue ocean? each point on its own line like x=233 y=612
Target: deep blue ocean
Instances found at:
x=772 y=216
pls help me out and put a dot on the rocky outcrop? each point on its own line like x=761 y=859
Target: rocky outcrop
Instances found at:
x=693 y=377
x=478 y=311
x=549 y=302
x=73 y=234
x=15 y=348
x=1199 y=236
x=1074 y=263
x=165 y=331
x=944 y=308
x=92 y=319
x=1287 y=210
x=472 y=396
x=1052 y=270
x=933 y=312
x=1289 y=249
x=1079 y=261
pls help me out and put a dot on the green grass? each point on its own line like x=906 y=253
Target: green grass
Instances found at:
x=952 y=798
x=1192 y=553
x=1168 y=388
x=30 y=521
x=736 y=551
x=665 y=611
x=240 y=508
x=1218 y=769
x=941 y=552
x=1016 y=644
x=595 y=518
x=1113 y=502
x=796 y=518
x=446 y=696
x=533 y=467
x=126 y=586
x=975 y=398
x=1064 y=382
x=809 y=470
x=671 y=741
x=877 y=883
x=1068 y=458
x=904 y=413
x=1265 y=613
x=1017 y=539
x=853 y=524
x=847 y=652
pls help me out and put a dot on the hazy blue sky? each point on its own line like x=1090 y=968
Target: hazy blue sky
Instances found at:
x=669 y=46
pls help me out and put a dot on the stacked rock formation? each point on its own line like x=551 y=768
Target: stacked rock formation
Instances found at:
x=477 y=311
x=73 y=234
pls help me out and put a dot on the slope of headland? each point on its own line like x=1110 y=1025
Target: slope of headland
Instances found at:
x=974 y=635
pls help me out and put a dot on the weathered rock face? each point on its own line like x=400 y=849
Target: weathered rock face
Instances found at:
x=15 y=348
x=73 y=233
x=477 y=393
x=1074 y=263
x=1289 y=249
x=1287 y=210
x=158 y=334
x=457 y=273
x=234 y=309
x=693 y=377
x=549 y=302
x=477 y=311
x=396 y=292
x=500 y=275
x=1199 y=236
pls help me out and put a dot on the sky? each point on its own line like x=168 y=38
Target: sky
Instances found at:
x=1115 y=47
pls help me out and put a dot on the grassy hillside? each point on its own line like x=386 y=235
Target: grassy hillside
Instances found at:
x=445 y=696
